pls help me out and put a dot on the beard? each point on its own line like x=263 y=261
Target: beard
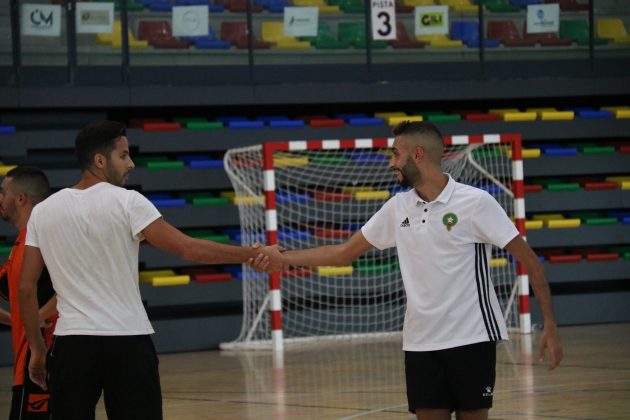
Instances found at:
x=409 y=174
x=118 y=179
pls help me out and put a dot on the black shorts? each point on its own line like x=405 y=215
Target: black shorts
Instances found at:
x=29 y=401
x=460 y=378
x=123 y=368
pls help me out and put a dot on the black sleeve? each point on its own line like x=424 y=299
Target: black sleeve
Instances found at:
x=45 y=289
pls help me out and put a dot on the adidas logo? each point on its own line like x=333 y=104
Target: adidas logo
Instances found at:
x=405 y=223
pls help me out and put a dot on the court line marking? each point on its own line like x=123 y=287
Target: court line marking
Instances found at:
x=367 y=413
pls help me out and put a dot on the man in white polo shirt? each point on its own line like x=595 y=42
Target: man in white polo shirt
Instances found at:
x=443 y=231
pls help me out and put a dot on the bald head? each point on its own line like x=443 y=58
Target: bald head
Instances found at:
x=423 y=134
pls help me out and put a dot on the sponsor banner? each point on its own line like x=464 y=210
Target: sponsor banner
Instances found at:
x=431 y=20
x=543 y=18
x=301 y=21
x=94 y=18
x=41 y=20
x=190 y=20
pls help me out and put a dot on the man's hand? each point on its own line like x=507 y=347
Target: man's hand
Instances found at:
x=274 y=261
x=268 y=260
x=551 y=341
x=37 y=367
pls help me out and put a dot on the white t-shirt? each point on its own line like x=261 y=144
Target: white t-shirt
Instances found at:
x=89 y=240
x=444 y=252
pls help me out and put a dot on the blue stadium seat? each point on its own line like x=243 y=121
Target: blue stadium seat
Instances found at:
x=467 y=31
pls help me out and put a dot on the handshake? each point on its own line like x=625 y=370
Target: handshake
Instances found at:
x=269 y=259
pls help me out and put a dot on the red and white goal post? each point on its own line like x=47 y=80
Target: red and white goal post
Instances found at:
x=302 y=194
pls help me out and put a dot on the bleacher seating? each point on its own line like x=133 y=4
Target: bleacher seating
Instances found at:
x=500 y=6
x=354 y=33
x=115 y=39
x=505 y=31
x=614 y=29
x=569 y=5
x=440 y=41
x=577 y=30
x=273 y=32
x=236 y=33
x=403 y=40
x=460 y=6
x=468 y=32
x=158 y=33
x=325 y=39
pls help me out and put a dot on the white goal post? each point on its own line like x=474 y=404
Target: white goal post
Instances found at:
x=302 y=194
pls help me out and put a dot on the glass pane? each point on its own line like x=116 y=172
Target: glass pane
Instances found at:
x=432 y=31
x=186 y=33
x=98 y=33
x=533 y=30
x=339 y=34
x=612 y=28
x=43 y=33
x=6 y=54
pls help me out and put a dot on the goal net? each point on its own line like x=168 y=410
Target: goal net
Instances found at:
x=306 y=194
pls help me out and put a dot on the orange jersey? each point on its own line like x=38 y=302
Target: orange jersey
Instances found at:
x=13 y=268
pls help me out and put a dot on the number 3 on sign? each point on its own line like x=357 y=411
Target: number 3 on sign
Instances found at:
x=383 y=19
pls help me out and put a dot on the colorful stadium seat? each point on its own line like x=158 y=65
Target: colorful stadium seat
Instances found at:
x=273 y=32
x=354 y=33
x=505 y=31
x=468 y=32
x=236 y=33
x=158 y=33
x=577 y=30
x=613 y=29
x=403 y=40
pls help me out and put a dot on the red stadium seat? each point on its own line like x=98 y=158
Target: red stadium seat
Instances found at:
x=236 y=33
x=158 y=33
x=506 y=32
x=403 y=40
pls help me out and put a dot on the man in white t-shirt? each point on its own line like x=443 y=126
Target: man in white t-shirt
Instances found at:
x=442 y=230
x=88 y=236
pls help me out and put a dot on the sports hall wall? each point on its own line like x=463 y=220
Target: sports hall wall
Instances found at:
x=186 y=99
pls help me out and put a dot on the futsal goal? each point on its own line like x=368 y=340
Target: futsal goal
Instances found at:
x=302 y=194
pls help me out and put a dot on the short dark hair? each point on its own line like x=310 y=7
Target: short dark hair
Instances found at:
x=421 y=128
x=97 y=137
x=31 y=181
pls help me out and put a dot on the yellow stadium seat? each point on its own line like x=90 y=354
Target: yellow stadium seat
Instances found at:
x=147 y=276
x=533 y=224
x=519 y=116
x=115 y=40
x=613 y=29
x=461 y=6
x=397 y=120
x=6 y=168
x=439 y=41
x=320 y=4
x=564 y=223
x=274 y=32
x=335 y=271
x=170 y=280
x=503 y=111
x=387 y=115
x=371 y=195
x=416 y=3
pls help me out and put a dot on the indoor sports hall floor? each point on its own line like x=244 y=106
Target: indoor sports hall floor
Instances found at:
x=365 y=381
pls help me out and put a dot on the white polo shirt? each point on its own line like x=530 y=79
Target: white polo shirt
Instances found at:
x=444 y=253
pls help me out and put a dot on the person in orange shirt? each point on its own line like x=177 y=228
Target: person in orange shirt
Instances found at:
x=21 y=189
